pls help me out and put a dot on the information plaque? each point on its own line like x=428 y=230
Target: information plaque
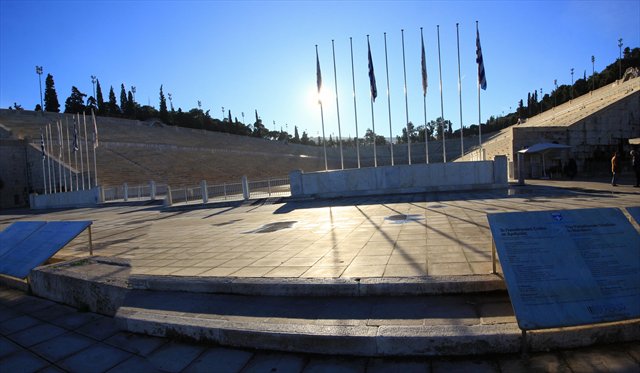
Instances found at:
x=635 y=213
x=569 y=267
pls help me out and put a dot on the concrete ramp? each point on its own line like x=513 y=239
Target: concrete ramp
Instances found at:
x=26 y=245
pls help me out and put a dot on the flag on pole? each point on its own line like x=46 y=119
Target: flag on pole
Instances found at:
x=75 y=136
x=482 y=79
x=424 y=68
x=372 y=76
x=42 y=144
x=95 y=130
x=318 y=75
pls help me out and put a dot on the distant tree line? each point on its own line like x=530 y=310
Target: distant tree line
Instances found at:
x=127 y=107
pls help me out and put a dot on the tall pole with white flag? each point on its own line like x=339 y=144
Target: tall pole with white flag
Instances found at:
x=374 y=94
x=48 y=133
x=386 y=61
x=44 y=174
x=424 y=98
x=355 y=110
x=460 y=92
x=444 y=144
x=95 y=145
x=86 y=148
x=335 y=77
x=69 y=156
x=75 y=150
x=319 y=81
x=60 y=169
x=406 y=100
x=482 y=83
x=81 y=156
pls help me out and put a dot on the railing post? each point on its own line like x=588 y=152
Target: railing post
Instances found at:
x=139 y=191
x=168 y=200
x=245 y=188
x=152 y=186
x=269 y=186
x=186 y=197
x=204 y=191
x=224 y=189
x=126 y=192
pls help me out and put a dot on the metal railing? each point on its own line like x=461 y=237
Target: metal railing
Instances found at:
x=203 y=193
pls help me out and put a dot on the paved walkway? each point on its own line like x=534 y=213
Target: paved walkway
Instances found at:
x=38 y=335
x=381 y=236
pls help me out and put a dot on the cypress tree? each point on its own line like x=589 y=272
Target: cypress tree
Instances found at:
x=51 y=103
x=123 y=99
x=112 y=108
x=102 y=109
x=164 y=114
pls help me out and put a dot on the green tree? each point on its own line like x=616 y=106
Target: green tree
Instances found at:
x=51 y=103
x=164 y=114
x=130 y=107
x=102 y=109
x=123 y=100
x=296 y=136
x=91 y=105
x=304 y=140
x=112 y=107
x=75 y=103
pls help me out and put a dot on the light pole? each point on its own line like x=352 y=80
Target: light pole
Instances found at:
x=593 y=72
x=541 y=100
x=93 y=83
x=133 y=93
x=572 y=83
x=223 y=113
x=170 y=101
x=242 y=117
x=620 y=60
x=555 y=96
x=39 y=72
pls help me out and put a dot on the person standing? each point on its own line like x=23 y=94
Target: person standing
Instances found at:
x=635 y=162
x=615 y=168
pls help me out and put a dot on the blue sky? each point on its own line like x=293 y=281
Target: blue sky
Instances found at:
x=246 y=55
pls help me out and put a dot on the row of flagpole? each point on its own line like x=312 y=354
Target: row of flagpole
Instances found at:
x=482 y=84
x=53 y=183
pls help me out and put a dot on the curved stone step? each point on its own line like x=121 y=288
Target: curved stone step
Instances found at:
x=441 y=325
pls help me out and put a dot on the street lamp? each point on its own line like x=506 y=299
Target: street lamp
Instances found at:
x=93 y=83
x=170 y=101
x=593 y=72
x=555 y=96
x=223 y=113
x=572 y=83
x=620 y=60
x=541 y=100
x=39 y=72
x=133 y=93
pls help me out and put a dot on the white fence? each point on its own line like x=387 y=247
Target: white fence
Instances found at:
x=278 y=187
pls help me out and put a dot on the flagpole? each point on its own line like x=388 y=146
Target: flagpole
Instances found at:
x=460 y=92
x=69 y=156
x=444 y=144
x=386 y=61
x=355 y=110
x=48 y=157
x=64 y=168
x=481 y=81
x=372 y=96
x=44 y=174
x=95 y=145
x=81 y=156
x=319 y=80
x=335 y=77
x=86 y=148
x=60 y=155
x=75 y=150
x=406 y=100
x=424 y=99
